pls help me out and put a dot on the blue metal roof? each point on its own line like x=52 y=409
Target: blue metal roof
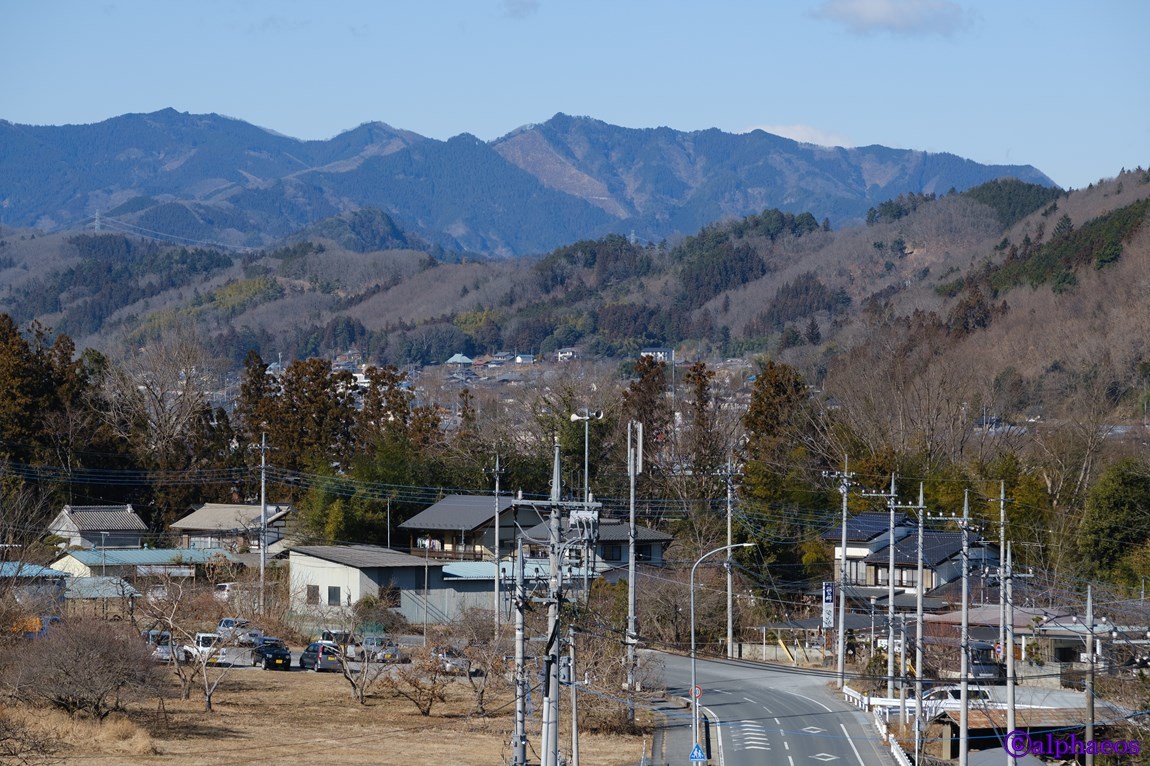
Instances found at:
x=533 y=569
x=148 y=556
x=24 y=569
x=99 y=587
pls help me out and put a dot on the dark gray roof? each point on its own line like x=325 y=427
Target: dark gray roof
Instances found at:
x=613 y=530
x=456 y=512
x=103 y=518
x=864 y=527
x=610 y=530
x=360 y=556
x=937 y=547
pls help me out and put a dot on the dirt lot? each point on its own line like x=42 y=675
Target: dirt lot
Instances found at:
x=266 y=717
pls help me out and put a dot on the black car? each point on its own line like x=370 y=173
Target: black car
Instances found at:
x=273 y=653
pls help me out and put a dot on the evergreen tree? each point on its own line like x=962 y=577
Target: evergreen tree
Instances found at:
x=814 y=335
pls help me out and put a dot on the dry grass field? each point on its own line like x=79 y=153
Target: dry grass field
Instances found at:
x=264 y=717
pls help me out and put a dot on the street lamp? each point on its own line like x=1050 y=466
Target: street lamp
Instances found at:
x=586 y=417
x=694 y=689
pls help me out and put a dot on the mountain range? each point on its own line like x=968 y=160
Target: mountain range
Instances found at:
x=210 y=179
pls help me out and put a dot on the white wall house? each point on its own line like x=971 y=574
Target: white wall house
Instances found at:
x=327 y=580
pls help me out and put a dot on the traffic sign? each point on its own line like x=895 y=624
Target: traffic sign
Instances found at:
x=697 y=692
x=697 y=755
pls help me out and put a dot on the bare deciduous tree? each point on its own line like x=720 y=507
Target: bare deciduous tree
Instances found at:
x=423 y=682
x=184 y=610
x=83 y=666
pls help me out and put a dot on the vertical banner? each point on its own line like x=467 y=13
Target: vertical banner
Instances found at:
x=828 y=604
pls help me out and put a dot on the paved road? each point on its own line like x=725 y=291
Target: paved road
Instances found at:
x=758 y=714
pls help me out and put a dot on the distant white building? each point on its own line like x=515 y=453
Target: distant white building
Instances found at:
x=659 y=354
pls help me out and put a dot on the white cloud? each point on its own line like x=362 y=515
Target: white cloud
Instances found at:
x=908 y=17
x=520 y=9
x=806 y=134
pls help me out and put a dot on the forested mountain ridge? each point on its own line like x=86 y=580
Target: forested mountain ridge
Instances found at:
x=772 y=283
x=207 y=178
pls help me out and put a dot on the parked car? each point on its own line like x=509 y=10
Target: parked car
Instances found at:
x=321 y=655
x=231 y=625
x=272 y=653
x=209 y=648
x=234 y=630
x=381 y=649
x=160 y=642
x=454 y=663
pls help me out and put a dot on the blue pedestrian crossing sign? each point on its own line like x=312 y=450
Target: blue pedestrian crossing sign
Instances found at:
x=697 y=755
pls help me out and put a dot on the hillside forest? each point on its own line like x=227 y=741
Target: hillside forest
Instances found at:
x=985 y=341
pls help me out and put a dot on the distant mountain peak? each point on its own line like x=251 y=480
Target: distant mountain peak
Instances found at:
x=541 y=186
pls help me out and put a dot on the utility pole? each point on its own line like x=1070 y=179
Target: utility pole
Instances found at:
x=1089 y=670
x=1001 y=553
x=918 y=646
x=263 y=517
x=519 y=746
x=574 y=680
x=1008 y=647
x=844 y=477
x=583 y=518
x=890 y=501
x=964 y=640
x=634 y=468
x=497 y=472
x=902 y=671
x=550 y=727
x=730 y=568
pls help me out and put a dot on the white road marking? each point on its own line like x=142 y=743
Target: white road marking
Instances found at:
x=852 y=744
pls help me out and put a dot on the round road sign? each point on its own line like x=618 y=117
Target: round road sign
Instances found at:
x=697 y=692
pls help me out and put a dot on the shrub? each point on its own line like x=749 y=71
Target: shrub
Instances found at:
x=86 y=666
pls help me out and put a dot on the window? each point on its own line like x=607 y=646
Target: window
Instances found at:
x=612 y=552
x=643 y=552
x=333 y=595
x=313 y=595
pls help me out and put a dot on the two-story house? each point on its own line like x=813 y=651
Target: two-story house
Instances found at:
x=463 y=527
x=609 y=556
x=941 y=558
x=233 y=526
x=866 y=533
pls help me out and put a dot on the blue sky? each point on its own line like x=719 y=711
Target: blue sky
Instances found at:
x=1056 y=84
